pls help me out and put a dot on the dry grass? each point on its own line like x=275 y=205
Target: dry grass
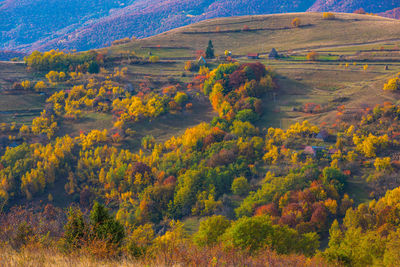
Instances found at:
x=345 y=30
x=306 y=82
x=49 y=258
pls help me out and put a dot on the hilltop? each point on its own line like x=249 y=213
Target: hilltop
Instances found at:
x=308 y=82
x=43 y=25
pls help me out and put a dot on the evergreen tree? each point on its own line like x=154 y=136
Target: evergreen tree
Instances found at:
x=93 y=67
x=75 y=229
x=105 y=227
x=210 y=50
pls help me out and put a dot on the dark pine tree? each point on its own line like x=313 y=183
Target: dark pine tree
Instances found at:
x=210 y=50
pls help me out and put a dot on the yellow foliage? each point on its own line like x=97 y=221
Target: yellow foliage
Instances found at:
x=41 y=85
x=369 y=144
x=26 y=84
x=392 y=85
x=328 y=15
x=296 y=22
x=383 y=164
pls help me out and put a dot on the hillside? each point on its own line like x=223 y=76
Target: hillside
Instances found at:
x=274 y=31
x=146 y=154
x=43 y=25
x=25 y=22
x=92 y=24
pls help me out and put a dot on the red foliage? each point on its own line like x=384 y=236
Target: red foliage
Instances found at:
x=257 y=67
x=224 y=157
x=319 y=216
x=312 y=108
x=189 y=106
x=269 y=209
x=237 y=78
x=360 y=11
x=347 y=172
x=171 y=180
x=288 y=219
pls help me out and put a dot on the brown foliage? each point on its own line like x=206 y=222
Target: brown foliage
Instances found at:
x=224 y=157
x=313 y=56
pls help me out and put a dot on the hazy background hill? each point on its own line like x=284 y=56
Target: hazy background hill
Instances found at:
x=352 y=5
x=29 y=25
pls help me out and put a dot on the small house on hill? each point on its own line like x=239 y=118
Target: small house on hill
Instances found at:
x=313 y=150
x=273 y=54
x=253 y=56
x=202 y=61
x=322 y=135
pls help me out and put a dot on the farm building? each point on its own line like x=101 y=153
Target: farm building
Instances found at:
x=314 y=150
x=273 y=54
x=322 y=135
x=253 y=56
x=202 y=61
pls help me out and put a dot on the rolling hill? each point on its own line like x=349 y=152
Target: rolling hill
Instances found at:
x=43 y=25
x=318 y=82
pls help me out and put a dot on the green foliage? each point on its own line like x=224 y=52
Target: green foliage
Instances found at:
x=210 y=50
x=334 y=176
x=273 y=186
x=188 y=185
x=93 y=67
x=240 y=186
x=76 y=230
x=140 y=240
x=148 y=142
x=257 y=232
x=247 y=115
x=181 y=98
x=104 y=226
x=210 y=230
x=243 y=129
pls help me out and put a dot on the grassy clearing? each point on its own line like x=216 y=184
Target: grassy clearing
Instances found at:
x=166 y=126
x=20 y=108
x=11 y=72
x=21 y=102
x=89 y=121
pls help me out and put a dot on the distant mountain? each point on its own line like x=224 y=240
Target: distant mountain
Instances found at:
x=27 y=25
x=8 y=55
x=394 y=13
x=24 y=22
x=349 y=6
x=145 y=18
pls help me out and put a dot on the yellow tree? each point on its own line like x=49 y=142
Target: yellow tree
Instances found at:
x=296 y=22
